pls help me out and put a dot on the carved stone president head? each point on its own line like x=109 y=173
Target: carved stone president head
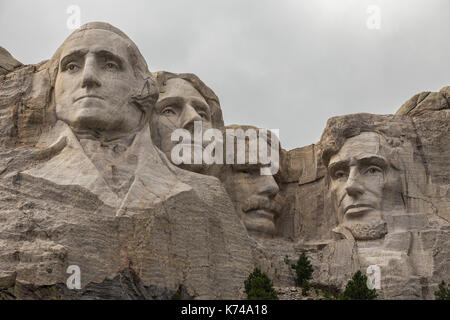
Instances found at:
x=183 y=99
x=101 y=81
x=366 y=175
x=253 y=194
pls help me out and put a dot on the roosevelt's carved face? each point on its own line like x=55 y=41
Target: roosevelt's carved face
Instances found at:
x=95 y=83
x=358 y=175
x=253 y=195
x=178 y=107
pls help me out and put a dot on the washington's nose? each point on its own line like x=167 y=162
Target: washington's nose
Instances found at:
x=188 y=117
x=90 y=78
x=269 y=187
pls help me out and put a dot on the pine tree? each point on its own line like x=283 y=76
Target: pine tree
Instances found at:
x=303 y=270
x=357 y=289
x=258 y=286
x=444 y=291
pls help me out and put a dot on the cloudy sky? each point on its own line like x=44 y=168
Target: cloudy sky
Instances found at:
x=287 y=64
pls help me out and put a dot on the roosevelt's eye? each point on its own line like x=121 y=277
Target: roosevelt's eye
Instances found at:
x=339 y=174
x=111 y=65
x=372 y=170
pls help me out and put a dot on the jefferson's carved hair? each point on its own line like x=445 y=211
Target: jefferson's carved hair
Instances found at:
x=213 y=101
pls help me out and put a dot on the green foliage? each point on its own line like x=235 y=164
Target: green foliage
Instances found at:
x=357 y=289
x=176 y=296
x=305 y=288
x=444 y=291
x=303 y=270
x=258 y=286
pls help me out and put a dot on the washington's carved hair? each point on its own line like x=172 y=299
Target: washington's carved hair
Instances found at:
x=213 y=101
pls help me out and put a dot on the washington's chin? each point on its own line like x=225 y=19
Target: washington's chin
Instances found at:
x=260 y=223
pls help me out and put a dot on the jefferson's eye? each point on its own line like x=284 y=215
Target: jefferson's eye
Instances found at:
x=168 y=112
x=204 y=115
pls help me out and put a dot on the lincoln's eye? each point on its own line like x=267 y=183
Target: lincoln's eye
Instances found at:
x=373 y=170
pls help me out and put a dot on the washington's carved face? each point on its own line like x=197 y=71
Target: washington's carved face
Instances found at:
x=253 y=195
x=358 y=176
x=95 y=83
x=177 y=108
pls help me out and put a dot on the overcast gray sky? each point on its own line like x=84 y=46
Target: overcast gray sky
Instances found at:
x=287 y=64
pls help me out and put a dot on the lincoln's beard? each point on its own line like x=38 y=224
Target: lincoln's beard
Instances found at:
x=372 y=230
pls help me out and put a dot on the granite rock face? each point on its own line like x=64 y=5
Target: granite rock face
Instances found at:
x=137 y=226
x=86 y=179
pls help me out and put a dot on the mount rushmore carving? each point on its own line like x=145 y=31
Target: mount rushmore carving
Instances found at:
x=88 y=178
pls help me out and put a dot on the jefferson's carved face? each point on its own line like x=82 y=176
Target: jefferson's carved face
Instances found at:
x=253 y=195
x=95 y=83
x=177 y=108
x=358 y=176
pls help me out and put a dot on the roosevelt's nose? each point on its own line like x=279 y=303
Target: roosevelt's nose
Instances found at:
x=353 y=187
x=268 y=187
x=90 y=77
x=188 y=117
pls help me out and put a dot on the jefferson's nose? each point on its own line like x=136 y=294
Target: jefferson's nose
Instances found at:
x=90 y=78
x=353 y=187
x=188 y=117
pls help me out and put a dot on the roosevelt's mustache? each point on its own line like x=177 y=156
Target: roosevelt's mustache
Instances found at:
x=256 y=202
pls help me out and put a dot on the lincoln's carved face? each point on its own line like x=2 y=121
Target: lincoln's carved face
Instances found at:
x=178 y=107
x=358 y=175
x=95 y=83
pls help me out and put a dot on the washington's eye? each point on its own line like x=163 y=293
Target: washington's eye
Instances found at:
x=203 y=115
x=71 y=67
x=373 y=170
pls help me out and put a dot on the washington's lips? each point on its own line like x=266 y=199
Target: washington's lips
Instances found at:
x=357 y=208
x=89 y=96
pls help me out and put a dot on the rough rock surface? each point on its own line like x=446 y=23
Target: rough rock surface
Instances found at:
x=7 y=62
x=174 y=231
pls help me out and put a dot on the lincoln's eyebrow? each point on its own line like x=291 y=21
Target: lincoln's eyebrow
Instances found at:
x=373 y=160
x=338 y=165
x=73 y=55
